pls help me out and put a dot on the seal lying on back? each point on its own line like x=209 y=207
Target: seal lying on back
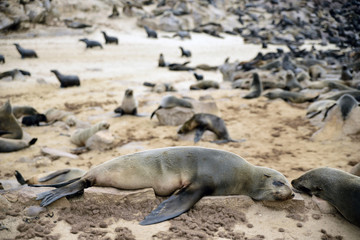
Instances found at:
x=189 y=172
x=12 y=145
x=80 y=136
x=129 y=104
x=66 y=80
x=339 y=188
x=170 y=102
x=56 y=177
x=255 y=88
x=8 y=123
x=91 y=43
x=205 y=121
x=25 y=53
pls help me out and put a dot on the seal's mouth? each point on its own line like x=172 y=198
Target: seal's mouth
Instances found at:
x=304 y=189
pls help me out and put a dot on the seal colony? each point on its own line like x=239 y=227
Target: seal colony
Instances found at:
x=189 y=173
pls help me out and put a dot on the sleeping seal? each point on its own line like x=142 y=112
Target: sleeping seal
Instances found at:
x=66 y=80
x=339 y=188
x=189 y=173
x=346 y=104
x=170 y=102
x=80 y=136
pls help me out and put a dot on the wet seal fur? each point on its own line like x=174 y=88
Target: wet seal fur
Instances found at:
x=25 y=53
x=55 y=177
x=170 y=102
x=188 y=173
x=8 y=123
x=129 y=104
x=205 y=121
x=12 y=145
x=80 y=136
x=256 y=87
x=66 y=80
x=339 y=188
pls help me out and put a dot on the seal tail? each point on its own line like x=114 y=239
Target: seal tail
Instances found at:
x=32 y=141
x=153 y=113
x=20 y=178
x=53 y=195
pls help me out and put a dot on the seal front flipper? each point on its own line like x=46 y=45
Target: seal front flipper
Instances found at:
x=177 y=204
x=19 y=178
x=198 y=134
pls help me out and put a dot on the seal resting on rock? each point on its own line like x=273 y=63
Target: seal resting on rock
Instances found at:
x=80 y=137
x=189 y=173
x=339 y=188
x=91 y=43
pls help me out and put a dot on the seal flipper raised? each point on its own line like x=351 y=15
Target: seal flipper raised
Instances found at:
x=178 y=203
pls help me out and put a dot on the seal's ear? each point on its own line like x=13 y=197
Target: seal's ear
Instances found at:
x=266 y=175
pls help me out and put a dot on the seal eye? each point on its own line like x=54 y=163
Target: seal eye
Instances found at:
x=278 y=183
x=267 y=175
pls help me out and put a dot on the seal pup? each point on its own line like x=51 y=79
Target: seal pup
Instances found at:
x=110 y=39
x=185 y=53
x=346 y=104
x=129 y=104
x=150 y=33
x=172 y=101
x=188 y=173
x=2 y=59
x=256 y=87
x=75 y=24
x=12 y=145
x=55 y=177
x=80 y=136
x=8 y=122
x=198 y=77
x=339 y=188
x=34 y=120
x=20 y=111
x=204 y=84
x=25 y=53
x=346 y=74
x=66 y=80
x=14 y=73
x=294 y=97
x=91 y=43
x=205 y=121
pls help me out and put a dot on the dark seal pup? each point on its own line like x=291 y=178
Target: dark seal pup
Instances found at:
x=188 y=173
x=150 y=33
x=66 y=80
x=256 y=87
x=25 y=53
x=110 y=39
x=339 y=188
x=33 y=120
x=205 y=121
x=91 y=43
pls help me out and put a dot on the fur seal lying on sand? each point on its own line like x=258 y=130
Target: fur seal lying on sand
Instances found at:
x=66 y=80
x=91 y=43
x=55 y=177
x=204 y=84
x=129 y=104
x=205 y=121
x=256 y=87
x=170 y=102
x=339 y=188
x=8 y=123
x=150 y=33
x=110 y=39
x=80 y=136
x=12 y=145
x=25 y=53
x=287 y=96
x=189 y=173
x=346 y=104
x=20 y=111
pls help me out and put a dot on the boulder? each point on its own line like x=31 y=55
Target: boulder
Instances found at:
x=174 y=116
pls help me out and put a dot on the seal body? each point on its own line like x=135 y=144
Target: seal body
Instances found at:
x=194 y=171
x=293 y=97
x=172 y=101
x=66 y=80
x=25 y=53
x=33 y=120
x=205 y=84
x=80 y=137
x=20 y=111
x=339 y=188
x=150 y=33
x=8 y=123
x=255 y=88
x=12 y=145
x=110 y=39
x=91 y=43
x=204 y=121
x=129 y=104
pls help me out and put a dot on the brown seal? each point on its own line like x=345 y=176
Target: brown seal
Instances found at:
x=129 y=104
x=172 y=101
x=8 y=123
x=80 y=136
x=339 y=188
x=189 y=173
x=205 y=121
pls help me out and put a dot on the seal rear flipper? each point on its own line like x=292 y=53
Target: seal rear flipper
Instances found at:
x=198 y=134
x=175 y=205
x=53 y=175
x=19 y=178
x=32 y=141
x=53 y=195
x=56 y=185
x=153 y=113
